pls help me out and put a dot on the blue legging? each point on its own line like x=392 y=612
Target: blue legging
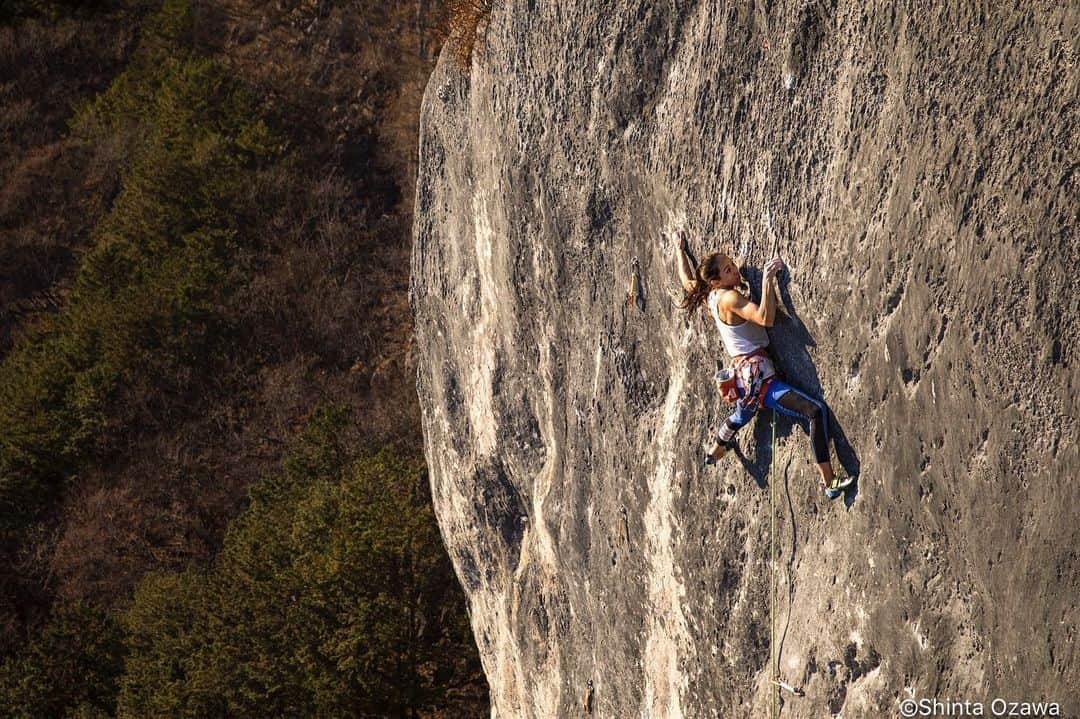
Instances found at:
x=782 y=397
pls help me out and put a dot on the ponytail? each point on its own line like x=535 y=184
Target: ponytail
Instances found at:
x=696 y=297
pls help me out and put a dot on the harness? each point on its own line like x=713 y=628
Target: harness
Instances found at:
x=746 y=380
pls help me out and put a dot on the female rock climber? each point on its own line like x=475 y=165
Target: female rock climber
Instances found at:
x=752 y=381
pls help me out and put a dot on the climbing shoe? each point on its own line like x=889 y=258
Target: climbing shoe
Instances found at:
x=709 y=460
x=836 y=487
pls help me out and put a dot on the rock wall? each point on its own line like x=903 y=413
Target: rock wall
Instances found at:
x=914 y=164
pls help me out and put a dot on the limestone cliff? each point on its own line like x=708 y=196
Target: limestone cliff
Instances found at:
x=915 y=166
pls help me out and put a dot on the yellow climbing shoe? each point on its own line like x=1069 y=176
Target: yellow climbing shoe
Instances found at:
x=839 y=481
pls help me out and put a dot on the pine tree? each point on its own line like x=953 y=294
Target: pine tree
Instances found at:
x=332 y=597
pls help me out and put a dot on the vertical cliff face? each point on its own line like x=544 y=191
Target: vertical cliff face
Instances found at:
x=915 y=168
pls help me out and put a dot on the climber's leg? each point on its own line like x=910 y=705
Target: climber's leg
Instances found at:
x=725 y=438
x=785 y=399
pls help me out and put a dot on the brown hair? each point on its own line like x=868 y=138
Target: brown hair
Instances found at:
x=708 y=269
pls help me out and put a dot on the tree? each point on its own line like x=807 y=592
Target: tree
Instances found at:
x=70 y=670
x=332 y=597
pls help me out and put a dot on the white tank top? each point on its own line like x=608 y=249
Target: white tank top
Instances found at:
x=738 y=339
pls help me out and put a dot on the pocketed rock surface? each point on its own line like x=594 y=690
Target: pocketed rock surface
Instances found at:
x=915 y=167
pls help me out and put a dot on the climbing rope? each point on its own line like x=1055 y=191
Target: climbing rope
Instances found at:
x=773 y=558
x=774 y=653
x=774 y=658
x=774 y=649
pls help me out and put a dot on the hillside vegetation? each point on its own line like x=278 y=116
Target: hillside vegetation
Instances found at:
x=213 y=498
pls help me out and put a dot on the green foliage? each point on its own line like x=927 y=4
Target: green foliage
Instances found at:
x=70 y=670
x=143 y=321
x=162 y=676
x=332 y=597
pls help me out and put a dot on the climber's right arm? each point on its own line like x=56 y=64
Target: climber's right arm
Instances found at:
x=687 y=273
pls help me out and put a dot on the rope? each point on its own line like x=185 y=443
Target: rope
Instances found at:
x=774 y=653
x=774 y=656
x=774 y=648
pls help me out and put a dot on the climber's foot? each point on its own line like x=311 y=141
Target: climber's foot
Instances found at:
x=714 y=455
x=835 y=488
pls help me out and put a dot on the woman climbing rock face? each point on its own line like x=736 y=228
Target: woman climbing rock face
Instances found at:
x=717 y=284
